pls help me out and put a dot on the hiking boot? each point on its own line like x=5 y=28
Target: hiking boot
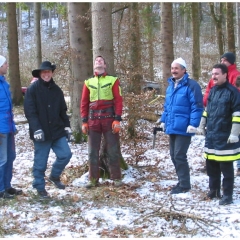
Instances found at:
x=238 y=172
x=91 y=184
x=43 y=194
x=14 y=191
x=117 y=183
x=6 y=195
x=56 y=182
x=179 y=189
x=175 y=186
x=213 y=194
x=226 y=200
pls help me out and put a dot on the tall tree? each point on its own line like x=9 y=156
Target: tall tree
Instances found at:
x=217 y=18
x=196 y=63
x=167 y=55
x=37 y=32
x=102 y=33
x=230 y=28
x=135 y=50
x=13 y=54
x=81 y=55
x=238 y=23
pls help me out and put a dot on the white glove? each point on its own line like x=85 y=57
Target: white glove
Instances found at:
x=70 y=137
x=158 y=121
x=39 y=135
x=162 y=125
x=201 y=130
x=191 y=129
x=232 y=139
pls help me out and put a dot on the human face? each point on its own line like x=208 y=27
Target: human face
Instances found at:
x=99 y=65
x=46 y=75
x=218 y=77
x=3 y=69
x=225 y=61
x=177 y=71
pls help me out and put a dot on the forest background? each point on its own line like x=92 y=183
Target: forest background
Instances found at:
x=138 y=40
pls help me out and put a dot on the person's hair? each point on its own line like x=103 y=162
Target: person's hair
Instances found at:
x=237 y=81
x=223 y=67
x=101 y=57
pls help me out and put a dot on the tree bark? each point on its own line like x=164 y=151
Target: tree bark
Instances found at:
x=230 y=28
x=37 y=32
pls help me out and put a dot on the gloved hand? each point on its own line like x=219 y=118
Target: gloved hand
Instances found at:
x=232 y=139
x=162 y=125
x=191 y=129
x=201 y=130
x=85 y=128
x=69 y=134
x=158 y=121
x=116 y=126
x=39 y=135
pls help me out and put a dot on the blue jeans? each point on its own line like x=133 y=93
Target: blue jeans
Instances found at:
x=7 y=156
x=42 y=149
x=179 y=145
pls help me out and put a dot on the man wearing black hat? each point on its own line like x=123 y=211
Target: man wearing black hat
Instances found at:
x=45 y=108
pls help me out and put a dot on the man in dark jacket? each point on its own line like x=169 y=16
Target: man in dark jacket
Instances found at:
x=45 y=108
x=182 y=113
x=222 y=147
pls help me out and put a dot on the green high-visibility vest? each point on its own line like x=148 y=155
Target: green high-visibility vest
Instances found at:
x=101 y=88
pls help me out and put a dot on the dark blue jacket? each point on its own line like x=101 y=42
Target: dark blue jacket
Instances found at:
x=183 y=106
x=7 y=124
x=45 y=108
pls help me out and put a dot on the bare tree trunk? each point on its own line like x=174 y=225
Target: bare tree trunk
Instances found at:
x=102 y=33
x=230 y=28
x=196 y=64
x=14 y=73
x=238 y=25
x=37 y=32
x=81 y=56
x=166 y=42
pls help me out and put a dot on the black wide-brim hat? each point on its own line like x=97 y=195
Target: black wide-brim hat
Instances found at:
x=44 y=66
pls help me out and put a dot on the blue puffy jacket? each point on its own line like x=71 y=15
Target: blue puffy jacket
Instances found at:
x=183 y=106
x=7 y=124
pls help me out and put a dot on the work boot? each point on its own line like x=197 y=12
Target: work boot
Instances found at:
x=43 y=194
x=56 y=181
x=6 y=195
x=226 y=200
x=213 y=194
x=179 y=189
x=14 y=191
x=117 y=183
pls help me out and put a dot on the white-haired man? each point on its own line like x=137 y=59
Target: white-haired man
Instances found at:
x=182 y=113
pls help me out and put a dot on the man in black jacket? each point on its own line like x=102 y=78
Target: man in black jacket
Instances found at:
x=45 y=109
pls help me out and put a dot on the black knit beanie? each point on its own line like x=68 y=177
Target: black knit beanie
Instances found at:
x=230 y=57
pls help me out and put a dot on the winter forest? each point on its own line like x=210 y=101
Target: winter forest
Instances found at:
x=139 y=41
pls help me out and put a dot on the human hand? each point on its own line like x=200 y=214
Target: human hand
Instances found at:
x=191 y=129
x=85 y=128
x=232 y=139
x=116 y=126
x=39 y=135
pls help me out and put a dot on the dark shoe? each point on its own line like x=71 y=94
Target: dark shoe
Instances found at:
x=6 y=195
x=43 y=194
x=179 y=189
x=226 y=200
x=175 y=186
x=213 y=194
x=238 y=172
x=117 y=183
x=14 y=191
x=56 y=182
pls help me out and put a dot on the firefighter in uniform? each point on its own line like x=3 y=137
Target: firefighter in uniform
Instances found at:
x=101 y=110
x=222 y=121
